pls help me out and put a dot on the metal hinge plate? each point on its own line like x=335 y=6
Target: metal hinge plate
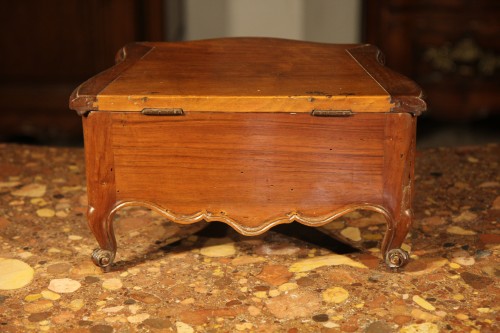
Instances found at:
x=162 y=112
x=332 y=113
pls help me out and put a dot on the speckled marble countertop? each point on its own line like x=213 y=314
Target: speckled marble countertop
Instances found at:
x=200 y=278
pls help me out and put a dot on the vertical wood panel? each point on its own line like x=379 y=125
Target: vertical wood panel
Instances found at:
x=252 y=166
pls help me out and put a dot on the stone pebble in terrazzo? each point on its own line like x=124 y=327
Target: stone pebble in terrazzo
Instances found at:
x=363 y=222
x=274 y=293
x=183 y=327
x=138 y=318
x=32 y=297
x=67 y=189
x=218 y=248
x=158 y=323
x=260 y=294
x=134 y=308
x=115 y=319
x=424 y=316
x=288 y=286
x=85 y=268
x=244 y=326
x=39 y=202
x=39 y=317
x=9 y=184
x=484 y=310
x=254 y=311
x=476 y=281
x=14 y=274
x=58 y=268
x=277 y=250
x=112 y=284
x=489 y=184
x=25 y=255
x=75 y=237
x=378 y=327
x=61 y=214
x=295 y=304
x=101 y=329
x=372 y=237
x=334 y=225
x=464 y=261
x=331 y=324
x=64 y=285
x=472 y=159
x=189 y=300
x=335 y=295
x=456 y=230
x=420 y=328
x=38 y=306
x=113 y=309
x=76 y=304
x=247 y=260
x=465 y=216
x=50 y=295
x=16 y=203
x=328 y=260
x=31 y=190
x=145 y=298
x=45 y=212
x=63 y=206
x=320 y=318
x=274 y=274
x=423 y=303
x=351 y=233
x=62 y=317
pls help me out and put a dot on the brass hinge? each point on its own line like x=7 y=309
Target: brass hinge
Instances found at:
x=332 y=113
x=162 y=112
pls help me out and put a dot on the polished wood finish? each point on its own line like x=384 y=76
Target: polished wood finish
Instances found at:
x=249 y=168
x=248 y=75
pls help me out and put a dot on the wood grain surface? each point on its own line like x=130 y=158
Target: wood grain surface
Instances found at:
x=248 y=75
x=250 y=167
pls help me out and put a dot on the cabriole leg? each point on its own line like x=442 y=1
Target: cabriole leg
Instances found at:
x=101 y=190
x=399 y=160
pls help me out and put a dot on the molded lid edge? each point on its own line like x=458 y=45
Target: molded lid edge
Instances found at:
x=84 y=98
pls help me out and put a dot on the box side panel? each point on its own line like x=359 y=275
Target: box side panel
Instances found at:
x=252 y=168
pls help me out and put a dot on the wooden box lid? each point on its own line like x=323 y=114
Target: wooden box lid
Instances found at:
x=248 y=75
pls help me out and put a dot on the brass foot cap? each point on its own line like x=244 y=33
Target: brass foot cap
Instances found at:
x=396 y=258
x=102 y=258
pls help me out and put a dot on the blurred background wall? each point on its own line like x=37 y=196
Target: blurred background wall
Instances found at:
x=337 y=21
x=450 y=47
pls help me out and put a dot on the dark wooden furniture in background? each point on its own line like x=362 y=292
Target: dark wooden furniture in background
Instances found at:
x=49 y=47
x=451 y=48
x=253 y=132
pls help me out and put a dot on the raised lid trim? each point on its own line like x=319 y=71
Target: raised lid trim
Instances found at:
x=405 y=94
x=84 y=97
